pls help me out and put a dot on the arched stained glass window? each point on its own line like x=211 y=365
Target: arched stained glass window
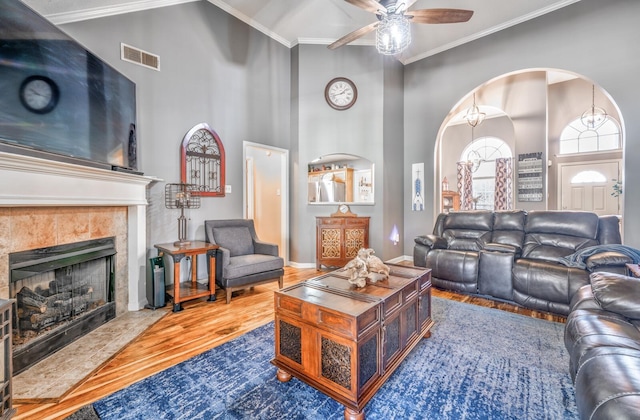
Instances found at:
x=202 y=161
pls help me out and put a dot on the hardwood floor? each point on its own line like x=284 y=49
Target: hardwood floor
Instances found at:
x=199 y=327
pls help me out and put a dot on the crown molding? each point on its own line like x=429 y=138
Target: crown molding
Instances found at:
x=489 y=31
x=255 y=25
x=99 y=12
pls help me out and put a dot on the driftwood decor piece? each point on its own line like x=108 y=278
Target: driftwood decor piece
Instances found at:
x=366 y=266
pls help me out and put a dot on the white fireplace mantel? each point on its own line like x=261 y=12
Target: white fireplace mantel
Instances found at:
x=27 y=181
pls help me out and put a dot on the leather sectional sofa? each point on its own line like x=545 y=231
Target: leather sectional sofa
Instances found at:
x=602 y=337
x=517 y=256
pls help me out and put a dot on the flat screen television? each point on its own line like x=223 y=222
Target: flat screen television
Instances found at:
x=57 y=99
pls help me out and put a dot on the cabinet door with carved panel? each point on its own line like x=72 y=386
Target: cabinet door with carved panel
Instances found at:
x=338 y=239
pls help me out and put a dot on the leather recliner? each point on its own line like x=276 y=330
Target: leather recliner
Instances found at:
x=602 y=336
x=516 y=256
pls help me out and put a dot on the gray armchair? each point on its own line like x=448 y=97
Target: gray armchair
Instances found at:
x=242 y=260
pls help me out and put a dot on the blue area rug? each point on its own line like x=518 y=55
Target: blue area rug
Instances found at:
x=479 y=363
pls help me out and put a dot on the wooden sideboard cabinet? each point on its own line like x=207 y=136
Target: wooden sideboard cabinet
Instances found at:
x=338 y=239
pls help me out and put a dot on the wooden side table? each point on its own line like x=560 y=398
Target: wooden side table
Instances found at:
x=183 y=292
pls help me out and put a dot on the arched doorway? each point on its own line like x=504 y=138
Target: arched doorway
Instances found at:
x=529 y=110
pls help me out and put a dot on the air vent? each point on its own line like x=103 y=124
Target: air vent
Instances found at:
x=138 y=56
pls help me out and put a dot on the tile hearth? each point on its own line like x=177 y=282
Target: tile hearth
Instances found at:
x=54 y=377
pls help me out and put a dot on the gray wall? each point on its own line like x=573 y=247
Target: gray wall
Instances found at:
x=559 y=40
x=218 y=70
x=214 y=69
x=366 y=130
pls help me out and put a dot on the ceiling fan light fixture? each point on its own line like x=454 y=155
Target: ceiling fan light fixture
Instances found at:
x=393 y=34
x=595 y=116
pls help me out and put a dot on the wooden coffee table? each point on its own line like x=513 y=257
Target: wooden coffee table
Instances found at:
x=345 y=341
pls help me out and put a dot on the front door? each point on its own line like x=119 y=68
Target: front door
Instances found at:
x=588 y=186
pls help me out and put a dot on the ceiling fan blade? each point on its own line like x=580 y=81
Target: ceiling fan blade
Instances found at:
x=439 y=15
x=369 y=5
x=352 y=36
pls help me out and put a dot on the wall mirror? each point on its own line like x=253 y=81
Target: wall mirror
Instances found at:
x=340 y=178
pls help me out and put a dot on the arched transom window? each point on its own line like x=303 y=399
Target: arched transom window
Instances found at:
x=577 y=138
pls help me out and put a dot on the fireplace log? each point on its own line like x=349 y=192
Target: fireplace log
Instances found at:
x=65 y=284
x=39 y=321
x=29 y=299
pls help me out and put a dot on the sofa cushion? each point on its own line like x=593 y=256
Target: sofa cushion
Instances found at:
x=472 y=220
x=587 y=329
x=617 y=293
x=553 y=247
x=508 y=228
x=244 y=265
x=608 y=384
x=236 y=239
x=609 y=259
x=546 y=286
x=468 y=231
x=457 y=269
x=564 y=223
x=431 y=241
x=552 y=235
x=609 y=230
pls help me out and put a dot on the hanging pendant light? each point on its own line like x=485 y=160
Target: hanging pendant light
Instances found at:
x=595 y=116
x=473 y=116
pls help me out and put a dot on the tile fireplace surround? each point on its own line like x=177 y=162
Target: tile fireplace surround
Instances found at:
x=45 y=203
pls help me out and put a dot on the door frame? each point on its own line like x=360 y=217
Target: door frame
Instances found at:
x=284 y=190
x=587 y=162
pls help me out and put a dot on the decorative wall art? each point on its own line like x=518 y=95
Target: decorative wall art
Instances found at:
x=202 y=161
x=364 y=186
x=417 y=187
x=530 y=187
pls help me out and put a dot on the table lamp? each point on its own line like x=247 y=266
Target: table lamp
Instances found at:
x=181 y=196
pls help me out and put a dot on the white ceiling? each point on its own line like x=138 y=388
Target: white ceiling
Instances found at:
x=293 y=22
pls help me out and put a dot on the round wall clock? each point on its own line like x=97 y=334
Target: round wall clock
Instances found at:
x=341 y=93
x=39 y=94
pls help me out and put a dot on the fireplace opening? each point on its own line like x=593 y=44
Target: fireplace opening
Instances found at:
x=61 y=293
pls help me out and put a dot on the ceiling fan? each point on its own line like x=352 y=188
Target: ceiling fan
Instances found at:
x=393 y=34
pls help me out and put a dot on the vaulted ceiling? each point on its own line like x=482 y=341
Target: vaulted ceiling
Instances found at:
x=293 y=22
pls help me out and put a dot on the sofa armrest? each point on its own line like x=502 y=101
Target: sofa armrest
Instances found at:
x=265 y=248
x=222 y=257
x=495 y=247
x=431 y=241
x=610 y=258
x=617 y=293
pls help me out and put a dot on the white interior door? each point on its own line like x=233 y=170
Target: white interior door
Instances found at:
x=588 y=186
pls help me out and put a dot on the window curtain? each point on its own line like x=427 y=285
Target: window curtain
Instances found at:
x=465 y=185
x=503 y=195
